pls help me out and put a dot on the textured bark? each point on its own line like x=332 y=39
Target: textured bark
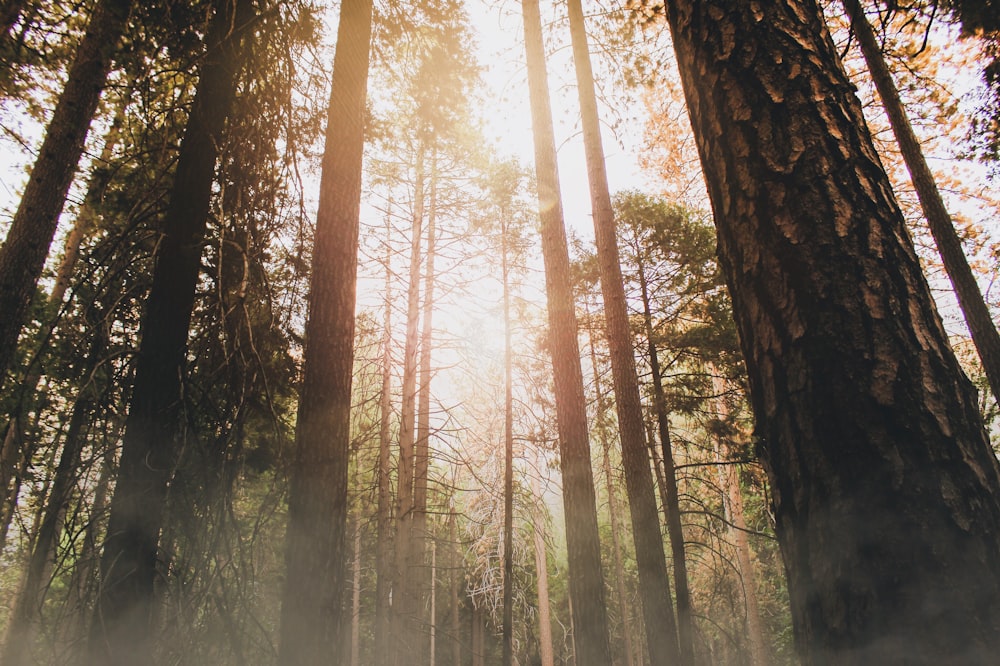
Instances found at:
x=383 y=537
x=970 y=298
x=23 y=253
x=586 y=581
x=668 y=478
x=654 y=588
x=121 y=632
x=885 y=489
x=404 y=603
x=312 y=610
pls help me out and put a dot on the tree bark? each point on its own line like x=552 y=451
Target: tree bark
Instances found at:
x=658 y=612
x=508 y=451
x=13 y=455
x=26 y=247
x=616 y=544
x=383 y=543
x=21 y=630
x=586 y=581
x=542 y=567
x=421 y=447
x=404 y=604
x=312 y=609
x=885 y=488
x=670 y=495
x=121 y=632
x=729 y=481
x=970 y=298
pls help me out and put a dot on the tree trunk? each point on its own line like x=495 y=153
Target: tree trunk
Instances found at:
x=121 y=631
x=13 y=455
x=616 y=544
x=23 y=253
x=421 y=448
x=356 y=600
x=404 y=605
x=885 y=488
x=542 y=567
x=661 y=630
x=21 y=630
x=433 y=609
x=456 y=570
x=586 y=581
x=508 y=449
x=383 y=543
x=729 y=481
x=312 y=608
x=970 y=298
x=670 y=495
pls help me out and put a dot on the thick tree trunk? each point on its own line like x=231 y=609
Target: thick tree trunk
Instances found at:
x=23 y=253
x=885 y=488
x=383 y=537
x=970 y=298
x=404 y=604
x=312 y=609
x=121 y=632
x=670 y=496
x=658 y=612
x=586 y=581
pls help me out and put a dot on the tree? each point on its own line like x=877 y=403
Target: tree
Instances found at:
x=311 y=612
x=590 y=622
x=970 y=298
x=26 y=246
x=665 y=643
x=885 y=489
x=121 y=627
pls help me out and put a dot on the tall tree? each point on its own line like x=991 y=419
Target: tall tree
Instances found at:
x=312 y=608
x=586 y=581
x=23 y=253
x=970 y=297
x=664 y=643
x=885 y=489
x=121 y=628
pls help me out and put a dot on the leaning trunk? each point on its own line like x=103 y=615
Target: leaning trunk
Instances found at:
x=23 y=253
x=121 y=631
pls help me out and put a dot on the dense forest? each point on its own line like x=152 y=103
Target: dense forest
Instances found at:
x=439 y=332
